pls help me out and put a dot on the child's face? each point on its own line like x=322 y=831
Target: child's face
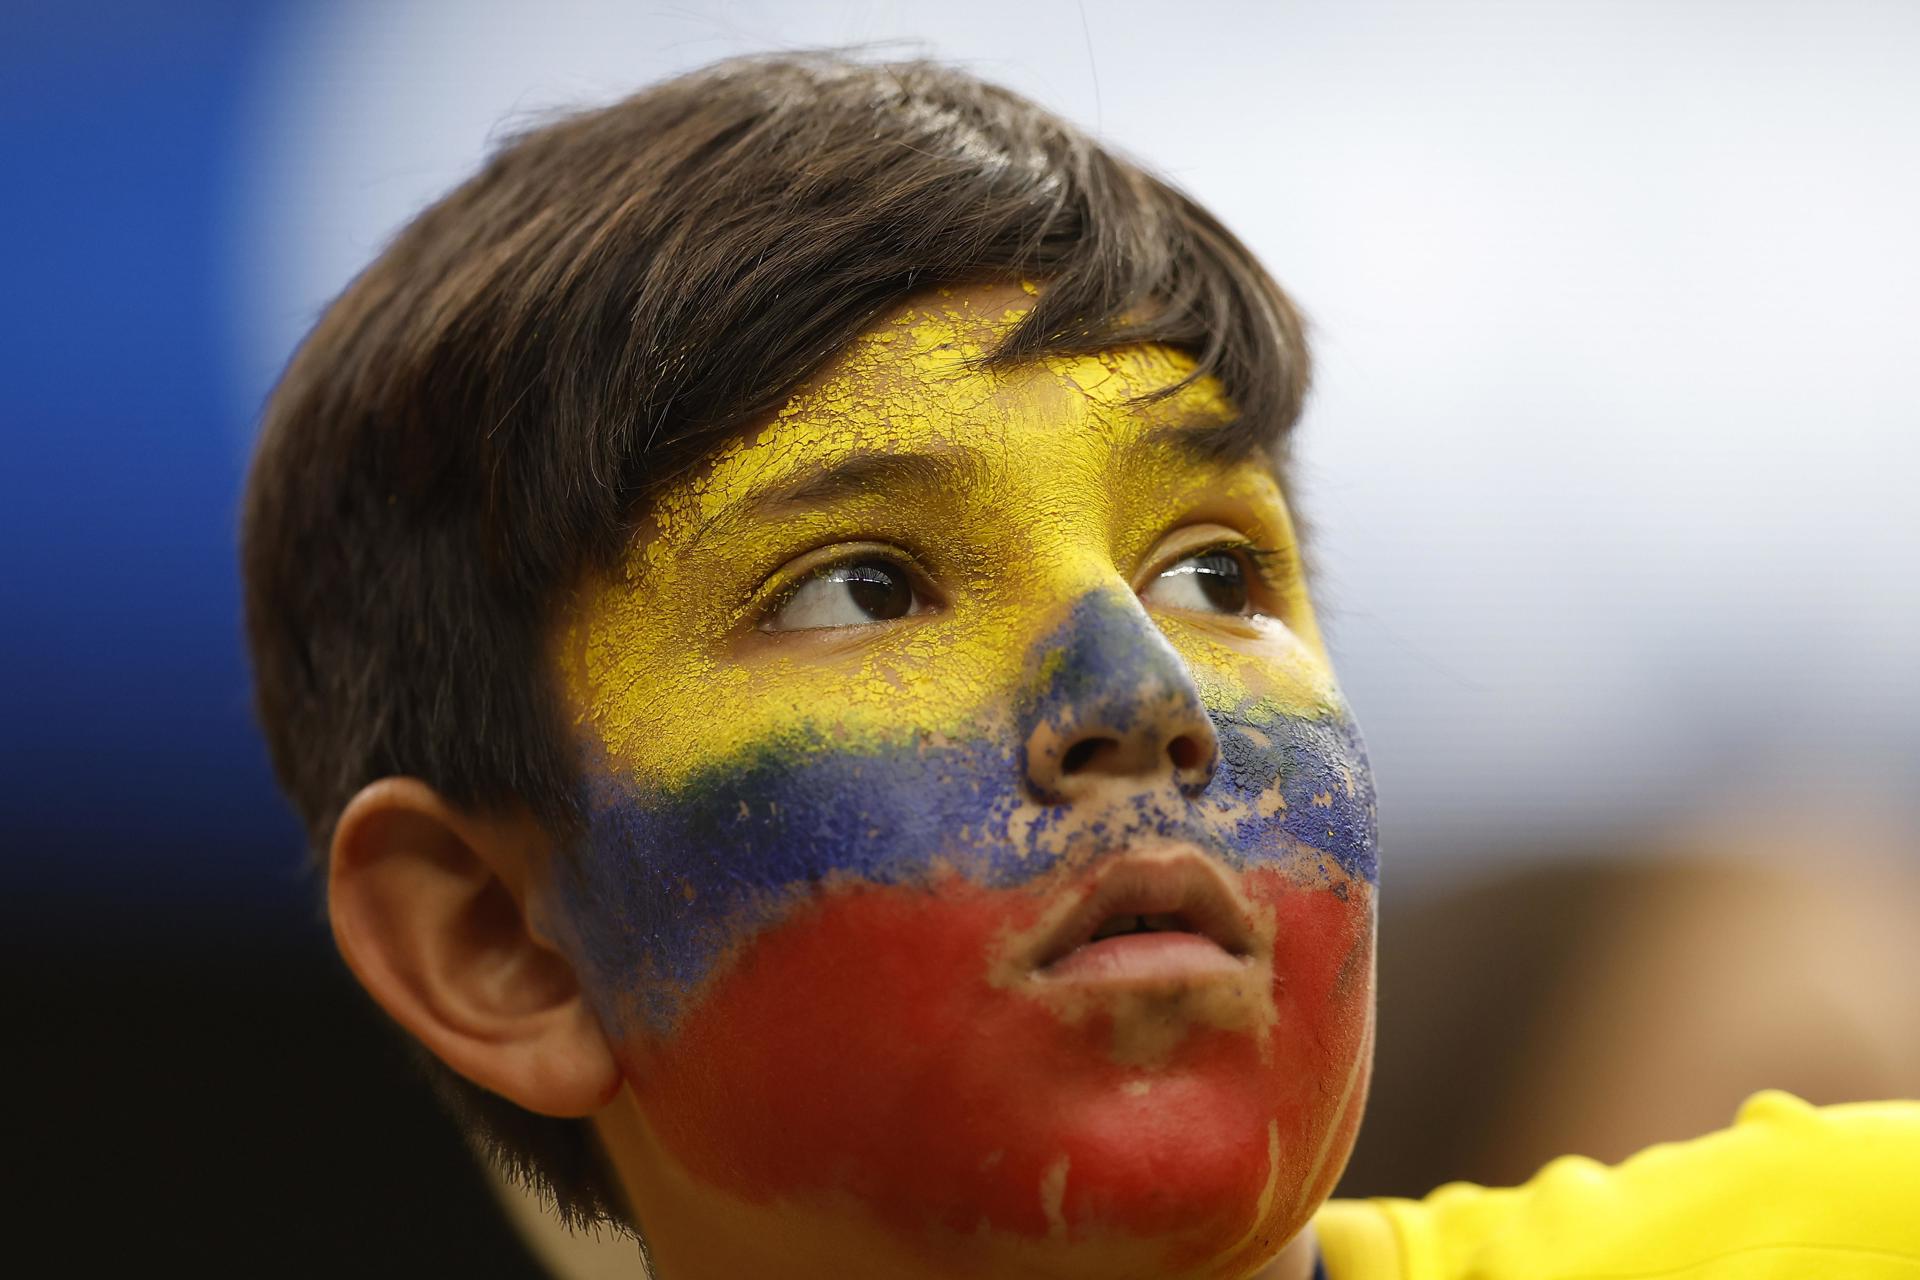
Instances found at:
x=898 y=710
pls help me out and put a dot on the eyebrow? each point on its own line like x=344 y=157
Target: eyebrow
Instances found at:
x=1207 y=441
x=862 y=475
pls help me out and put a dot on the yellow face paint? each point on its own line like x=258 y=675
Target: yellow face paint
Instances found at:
x=1041 y=484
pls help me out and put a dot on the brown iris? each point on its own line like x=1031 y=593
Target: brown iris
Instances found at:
x=878 y=589
x=1221 y=579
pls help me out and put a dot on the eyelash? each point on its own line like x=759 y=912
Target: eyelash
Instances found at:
x=1271 y=567
x=769 y=598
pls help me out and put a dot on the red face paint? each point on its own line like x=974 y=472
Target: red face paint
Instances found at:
x=864 y=1047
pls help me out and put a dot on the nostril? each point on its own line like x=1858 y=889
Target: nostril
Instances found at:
x=1186 y=753
x=1081 y=754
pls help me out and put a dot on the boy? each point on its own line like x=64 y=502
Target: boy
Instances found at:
x=777 y=604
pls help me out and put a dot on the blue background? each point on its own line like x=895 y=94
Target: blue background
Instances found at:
x=134 y=778
x=191 y=1076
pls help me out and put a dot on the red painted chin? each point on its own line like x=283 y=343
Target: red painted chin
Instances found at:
x=863 y=1046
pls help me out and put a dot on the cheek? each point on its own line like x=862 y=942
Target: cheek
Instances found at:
x=863 y=1046
x=1290 y=785
x=669 y=888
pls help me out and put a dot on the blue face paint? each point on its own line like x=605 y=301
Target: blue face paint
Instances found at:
x=665 y=883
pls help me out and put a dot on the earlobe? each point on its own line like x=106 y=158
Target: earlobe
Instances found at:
x=430 y=907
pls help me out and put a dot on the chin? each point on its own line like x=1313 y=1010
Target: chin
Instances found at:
x=951 y=1079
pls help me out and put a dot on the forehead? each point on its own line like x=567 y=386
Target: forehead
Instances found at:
x=916 y=384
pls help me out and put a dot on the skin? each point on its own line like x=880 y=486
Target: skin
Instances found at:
x=827 y=854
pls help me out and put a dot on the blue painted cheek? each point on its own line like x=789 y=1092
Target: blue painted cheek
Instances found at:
x=666 y=882
x=1318 y=771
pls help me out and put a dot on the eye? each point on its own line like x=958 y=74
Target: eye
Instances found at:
x=851 y=593
x=1212 y=581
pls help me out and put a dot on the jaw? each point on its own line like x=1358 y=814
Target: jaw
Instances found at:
x=857 y=1079
x=695 y=1232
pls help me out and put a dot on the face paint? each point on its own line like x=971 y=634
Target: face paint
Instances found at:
x=838 y=889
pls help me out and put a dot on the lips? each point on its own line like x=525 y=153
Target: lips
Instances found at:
x=1147 y=918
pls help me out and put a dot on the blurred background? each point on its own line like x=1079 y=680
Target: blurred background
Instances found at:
x=1610 y=470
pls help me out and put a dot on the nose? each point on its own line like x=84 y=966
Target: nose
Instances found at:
x=1116 y=703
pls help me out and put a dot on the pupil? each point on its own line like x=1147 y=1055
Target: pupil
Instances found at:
x=1222 y=582
x=879 y=590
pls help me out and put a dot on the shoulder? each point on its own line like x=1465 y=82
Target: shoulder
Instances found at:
x=1789 y=1189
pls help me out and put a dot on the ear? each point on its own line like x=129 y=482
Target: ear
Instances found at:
x=430 y=908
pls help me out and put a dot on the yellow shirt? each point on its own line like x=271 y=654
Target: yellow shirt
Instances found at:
x=1790 y=1191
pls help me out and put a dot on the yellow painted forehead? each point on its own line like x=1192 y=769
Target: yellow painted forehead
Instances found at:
x=917 y=381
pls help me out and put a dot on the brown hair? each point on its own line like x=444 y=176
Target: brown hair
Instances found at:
x=477 y=420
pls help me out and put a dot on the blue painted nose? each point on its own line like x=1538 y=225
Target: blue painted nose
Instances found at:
x=1114 y=701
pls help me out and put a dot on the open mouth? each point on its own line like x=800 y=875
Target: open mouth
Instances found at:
x=1150 y=919
x=1120 y=926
